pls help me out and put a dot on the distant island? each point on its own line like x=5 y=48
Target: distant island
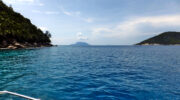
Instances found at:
x=80 y=44
x=17 y=31
x=166 y=38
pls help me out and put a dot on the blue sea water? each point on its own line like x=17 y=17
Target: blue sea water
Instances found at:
x=92 y=73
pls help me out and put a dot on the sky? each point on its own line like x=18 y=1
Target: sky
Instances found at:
x=101 y=22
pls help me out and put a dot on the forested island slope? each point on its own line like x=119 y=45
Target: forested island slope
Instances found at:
x=166 y=38
x=17 y=31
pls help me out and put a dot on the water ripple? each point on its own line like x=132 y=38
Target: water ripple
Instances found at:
x=92 y=73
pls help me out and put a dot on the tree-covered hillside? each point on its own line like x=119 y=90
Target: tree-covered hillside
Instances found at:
x=166 y=38
x=15 y=28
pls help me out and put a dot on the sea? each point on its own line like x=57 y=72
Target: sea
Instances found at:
x=92 y=73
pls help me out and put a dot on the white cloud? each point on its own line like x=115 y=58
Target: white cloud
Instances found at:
x=156 y=21
x=89 y=20
x=31 y=2
x=19 y=1
x=80 y=36
x=68 y=13
x=137 y=27
x=76 y=14
x=51 y=12
x=43 y=28
x=41 y=4
x=36 y=11
x=46 y=12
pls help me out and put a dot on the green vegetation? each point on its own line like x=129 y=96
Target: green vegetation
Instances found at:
x=166 y=38
x=14 y=27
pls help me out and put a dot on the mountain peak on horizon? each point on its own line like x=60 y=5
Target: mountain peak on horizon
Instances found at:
x=80 y=44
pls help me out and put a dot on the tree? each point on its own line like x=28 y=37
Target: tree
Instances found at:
x=48 y=34
x=10 y=6
x=15 y=27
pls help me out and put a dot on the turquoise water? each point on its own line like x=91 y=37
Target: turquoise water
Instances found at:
x=92 y=73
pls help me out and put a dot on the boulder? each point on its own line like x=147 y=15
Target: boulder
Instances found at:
x=11 y=47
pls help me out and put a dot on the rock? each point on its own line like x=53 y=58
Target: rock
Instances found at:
x=18 y=45
x=4 y=43
x=150 y=44
x=35 y=44
x=11 y=47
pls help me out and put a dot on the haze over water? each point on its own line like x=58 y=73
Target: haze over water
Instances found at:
x=92 y=73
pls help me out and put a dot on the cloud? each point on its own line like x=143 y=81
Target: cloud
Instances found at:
x=37 y=11
x=80 y=36
x=89 y=20
x=46 y=12
x=31 y=2
x=156 y=21
x=68 y=13
x=138 y=27
x=51 y=12
x=43 y=28
x=41 y=4
x=76 y=14
x=19 y=1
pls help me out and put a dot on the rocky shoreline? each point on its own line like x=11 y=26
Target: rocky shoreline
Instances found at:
x=18 y=45
x=149 y=44
x=154 y=44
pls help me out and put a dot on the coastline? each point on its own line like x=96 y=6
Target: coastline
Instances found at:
x=157 y=44
x=17 y=45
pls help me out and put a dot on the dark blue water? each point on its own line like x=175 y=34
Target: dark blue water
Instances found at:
x=92 y=73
